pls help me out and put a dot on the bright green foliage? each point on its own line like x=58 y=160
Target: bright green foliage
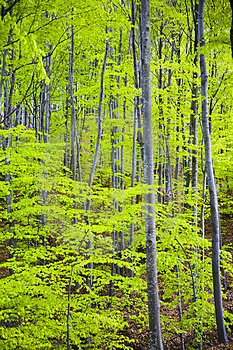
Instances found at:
x=35 y=303
x=40 y=282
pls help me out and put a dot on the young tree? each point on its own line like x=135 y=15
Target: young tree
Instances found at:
x=152 y=282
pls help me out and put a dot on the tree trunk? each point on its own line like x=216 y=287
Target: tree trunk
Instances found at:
x=161 y=120
x=152 y=283
x=211 y=184
x=73 y=117
x=97 y=148
x=231 y=32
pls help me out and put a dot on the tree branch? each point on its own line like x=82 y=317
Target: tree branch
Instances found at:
x=5 y=11
x=19 y=104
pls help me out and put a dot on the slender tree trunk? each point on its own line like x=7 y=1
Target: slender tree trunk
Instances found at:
x=139 y=112
x=114 y=156
x=41 y=111
x=211 y=108
x=169 y=193
x=121 y=233
x=73 y=118
x=7 y=142
x=47 y=106
x=203 y=208
x=122 y=244
x=133 y=175
x=99 y=124
x=194 y=123
x=137 y=72
x=97 y=148
x=66 y=137
x=46 y=140
x=152 y=281
x=231 y=31
x=161 y=121
x=211 y=184
x=194 y=134
x=136 y=110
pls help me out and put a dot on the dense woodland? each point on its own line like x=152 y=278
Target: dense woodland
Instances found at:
x=79 y=212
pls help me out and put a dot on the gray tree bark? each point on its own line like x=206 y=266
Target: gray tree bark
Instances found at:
x=46 y=138
x=97 y=148
x=161 y=120
x=73 y=119
x=152 y=282
x=211 y=184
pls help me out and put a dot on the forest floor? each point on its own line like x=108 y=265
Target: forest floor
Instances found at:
x=210 y=339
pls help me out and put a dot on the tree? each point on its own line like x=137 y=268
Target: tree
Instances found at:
x=151 y=253
x=216 y=234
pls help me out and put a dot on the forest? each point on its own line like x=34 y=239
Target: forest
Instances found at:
x=116 y=178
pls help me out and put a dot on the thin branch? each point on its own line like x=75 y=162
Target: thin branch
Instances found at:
x=191 y=270
x=19 y=104
x=5 y=11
